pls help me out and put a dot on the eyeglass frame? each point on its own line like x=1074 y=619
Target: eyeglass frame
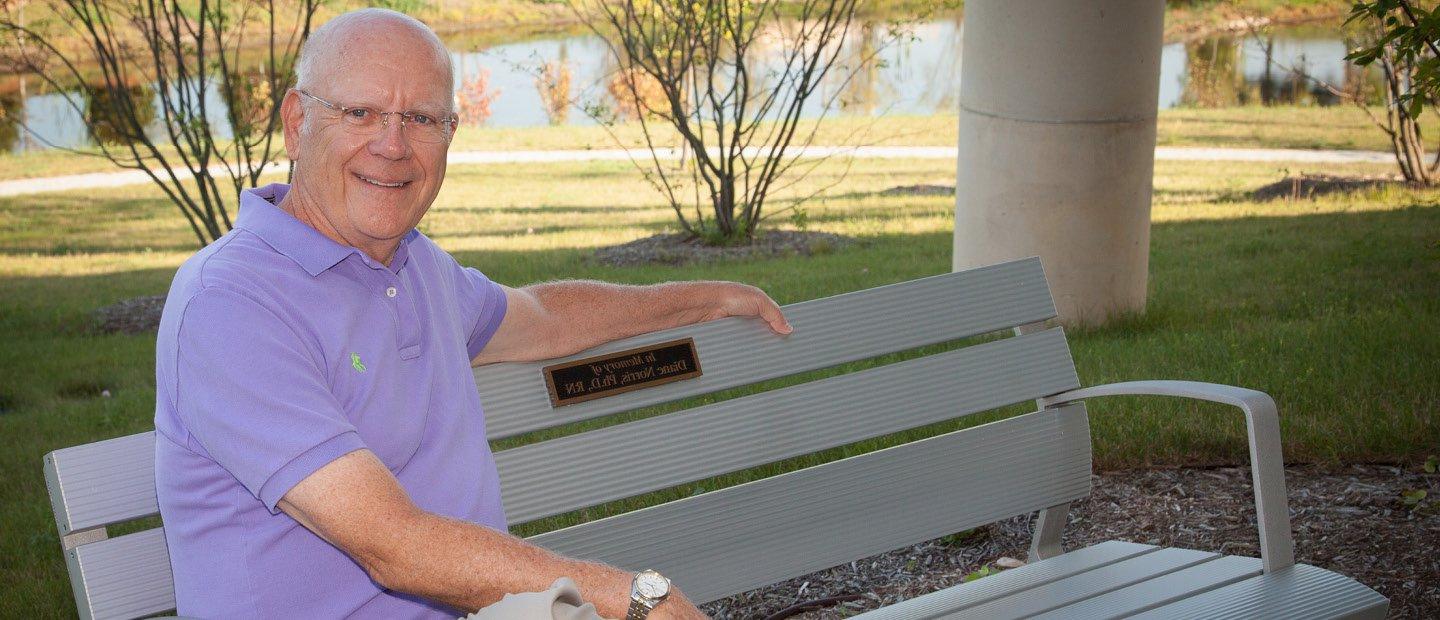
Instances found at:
x=405 y=116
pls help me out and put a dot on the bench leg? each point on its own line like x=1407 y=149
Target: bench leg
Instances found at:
x=1045 y=542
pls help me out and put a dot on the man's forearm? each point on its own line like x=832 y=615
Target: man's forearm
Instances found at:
x=469 y=566
x=355 y=503
x=554 y=319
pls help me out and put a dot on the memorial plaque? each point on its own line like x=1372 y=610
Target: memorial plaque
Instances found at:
x=617 y=373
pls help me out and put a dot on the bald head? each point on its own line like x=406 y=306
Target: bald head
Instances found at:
x=334 y=46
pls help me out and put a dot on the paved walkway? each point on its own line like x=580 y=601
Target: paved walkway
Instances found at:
x=96 y=180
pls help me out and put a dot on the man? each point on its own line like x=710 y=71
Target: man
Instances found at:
x=320 y=448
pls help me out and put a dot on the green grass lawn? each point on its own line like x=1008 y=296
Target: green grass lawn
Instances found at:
x=1331 y=305
x=1288 y=127
x=1337 y=127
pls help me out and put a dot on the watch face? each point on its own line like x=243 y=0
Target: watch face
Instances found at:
x=651 y=584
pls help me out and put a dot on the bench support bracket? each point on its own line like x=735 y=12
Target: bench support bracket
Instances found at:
x=1049 y=526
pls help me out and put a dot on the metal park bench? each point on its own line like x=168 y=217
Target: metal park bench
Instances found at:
x=745 y=536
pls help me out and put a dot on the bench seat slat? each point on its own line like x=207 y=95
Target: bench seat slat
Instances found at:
x=935 y=604
x=829 y=331
x=1299 y=592
x=750 y=535
x=125 y=577
x=590 y=468
x=103 y=482
x=1037 y=600
x=1160 y=590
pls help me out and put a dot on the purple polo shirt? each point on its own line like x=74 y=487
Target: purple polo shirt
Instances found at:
x=281 y=350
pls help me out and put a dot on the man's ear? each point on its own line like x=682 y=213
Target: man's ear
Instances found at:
x=291 y=116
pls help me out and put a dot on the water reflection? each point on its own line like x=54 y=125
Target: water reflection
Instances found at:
x=1274 y=70
x=1211 y=79
x=918 y=75
x=1217 y=73
x=12 y=109
x=105 y=111
x=252 y=93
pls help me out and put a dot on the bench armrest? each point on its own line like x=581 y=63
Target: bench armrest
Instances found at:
x=1267 y=466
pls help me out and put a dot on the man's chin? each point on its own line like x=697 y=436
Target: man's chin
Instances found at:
x=386 y=233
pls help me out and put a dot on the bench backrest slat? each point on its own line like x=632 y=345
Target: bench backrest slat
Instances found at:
x=125 y=577
x=829 y=331
x=746 y=536
x=101 y=483
x=564 y=474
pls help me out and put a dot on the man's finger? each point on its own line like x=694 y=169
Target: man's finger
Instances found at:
x=772 y=315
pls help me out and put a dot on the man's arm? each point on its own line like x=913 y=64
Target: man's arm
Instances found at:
x=356 y=504
x=554 y=319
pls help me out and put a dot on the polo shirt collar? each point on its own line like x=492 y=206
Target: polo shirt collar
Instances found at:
x=313 y=251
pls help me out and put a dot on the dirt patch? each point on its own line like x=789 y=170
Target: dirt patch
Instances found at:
x=1351 y=520
x=920 y=190
x=1307 y=186
x=132 y=316
x=680 y=249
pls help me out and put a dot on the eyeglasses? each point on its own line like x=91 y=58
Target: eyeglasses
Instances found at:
x=420 y=126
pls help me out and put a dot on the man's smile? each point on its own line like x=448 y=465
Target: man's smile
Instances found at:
x=381 y=183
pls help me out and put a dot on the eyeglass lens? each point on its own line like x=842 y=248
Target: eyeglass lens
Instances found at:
x=419 y=126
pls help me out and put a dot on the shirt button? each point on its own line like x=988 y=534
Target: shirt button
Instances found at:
x=391 y=292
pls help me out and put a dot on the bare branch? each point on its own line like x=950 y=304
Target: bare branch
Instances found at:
x=171 y=52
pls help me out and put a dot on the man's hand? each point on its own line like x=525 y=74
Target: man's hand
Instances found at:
x=735 y=299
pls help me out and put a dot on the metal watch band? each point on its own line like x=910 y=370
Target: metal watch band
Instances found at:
x=638 y=610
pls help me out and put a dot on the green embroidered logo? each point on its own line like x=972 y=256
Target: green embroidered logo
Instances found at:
x=355 y=362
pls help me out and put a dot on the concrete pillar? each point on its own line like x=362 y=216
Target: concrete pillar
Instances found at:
x=1057 y=145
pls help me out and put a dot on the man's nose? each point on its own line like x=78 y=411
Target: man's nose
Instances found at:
x=390 y=143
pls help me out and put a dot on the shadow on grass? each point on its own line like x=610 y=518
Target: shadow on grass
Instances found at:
x=66 y=248
x=1219 y=263
x=1318 y=308
x=549 y=209
x=66 y=223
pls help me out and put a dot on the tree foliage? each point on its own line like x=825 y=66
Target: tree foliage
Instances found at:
x=553 y=84
x=1399 y=37
x=146 y=76
x=474 y=99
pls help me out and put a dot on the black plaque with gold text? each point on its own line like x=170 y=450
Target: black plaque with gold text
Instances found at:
x=617 y=373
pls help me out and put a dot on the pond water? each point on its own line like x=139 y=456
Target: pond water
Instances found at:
x=914 y=75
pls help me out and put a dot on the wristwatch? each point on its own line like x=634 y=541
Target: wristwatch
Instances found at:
x=647 y=590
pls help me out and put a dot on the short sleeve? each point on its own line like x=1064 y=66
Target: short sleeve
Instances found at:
x=249 y=391
x=485 y=304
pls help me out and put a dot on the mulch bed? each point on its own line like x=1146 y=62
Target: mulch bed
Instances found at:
x=924 y=189
x=131 y=316
x=1348 y=519
x=1307 y=186
x=680 y=249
